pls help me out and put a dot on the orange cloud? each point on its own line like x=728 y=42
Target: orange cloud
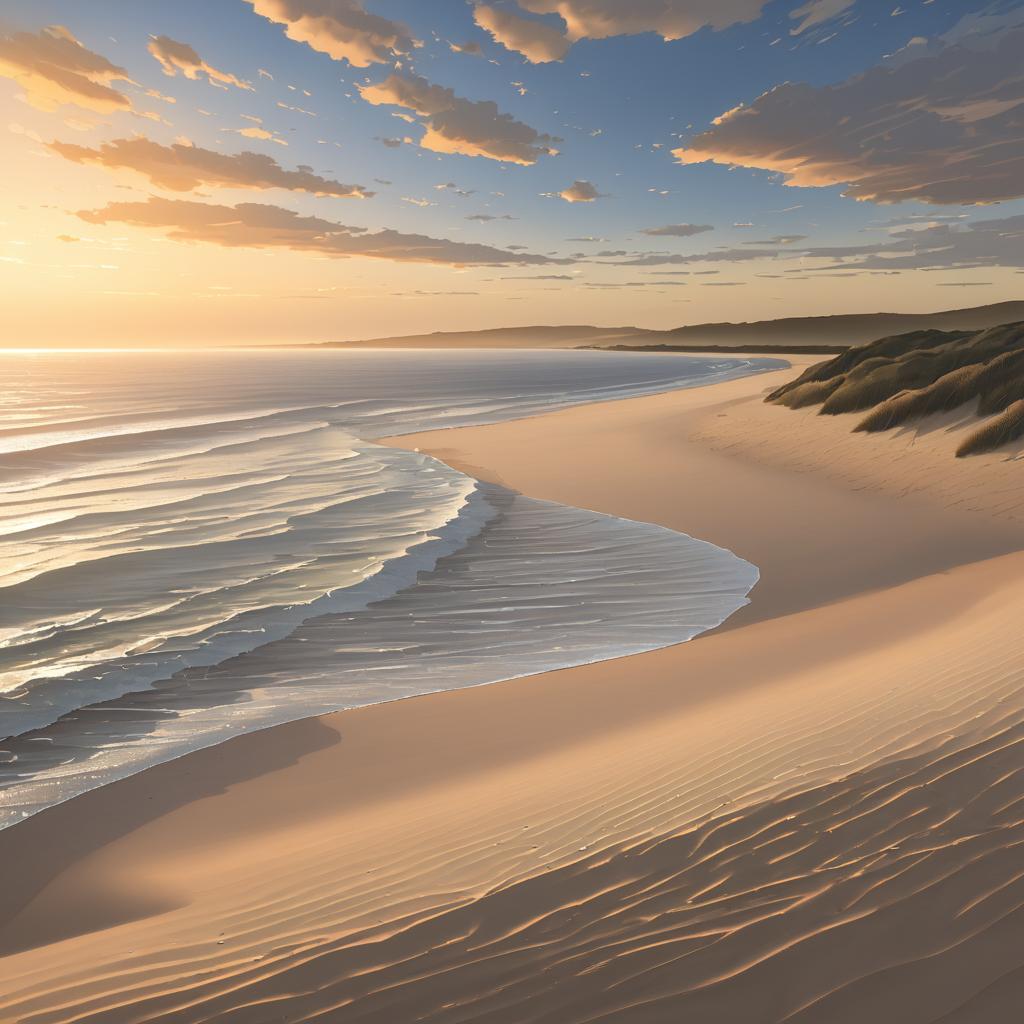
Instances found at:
x=579 y=192
x=263 y=226
x=537 y=41
x=457 y=125
x=182 y=168
x=340 y=28
x=55 y=69
x=671 y=19
x=175 y=57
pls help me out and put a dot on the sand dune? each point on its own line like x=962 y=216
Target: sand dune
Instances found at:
x=907 y=462
x=813 y=814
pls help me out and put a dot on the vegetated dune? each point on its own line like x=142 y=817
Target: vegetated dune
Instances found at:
x=909 y=376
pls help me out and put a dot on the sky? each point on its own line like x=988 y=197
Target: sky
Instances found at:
x=207 y=172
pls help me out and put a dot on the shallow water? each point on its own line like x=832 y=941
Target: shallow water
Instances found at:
x=198 y=544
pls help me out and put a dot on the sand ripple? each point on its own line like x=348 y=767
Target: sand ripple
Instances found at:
x=764 y=858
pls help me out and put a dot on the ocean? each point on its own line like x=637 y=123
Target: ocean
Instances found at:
x=199 y=544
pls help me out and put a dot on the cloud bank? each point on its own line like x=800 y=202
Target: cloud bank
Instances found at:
x=263 y=226
x=457 y=125
x=182 y=168
x=944 y=127
x=55 y=69
x=942 y=245
x=340 y=28
x=994 y=242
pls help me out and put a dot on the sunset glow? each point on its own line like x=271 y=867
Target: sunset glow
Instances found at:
x=199 y=175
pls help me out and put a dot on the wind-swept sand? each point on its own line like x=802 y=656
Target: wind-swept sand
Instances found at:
x=814 y=814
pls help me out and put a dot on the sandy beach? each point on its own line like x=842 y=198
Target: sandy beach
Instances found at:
x=812 y=814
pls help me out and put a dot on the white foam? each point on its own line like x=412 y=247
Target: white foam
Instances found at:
x=183 y=512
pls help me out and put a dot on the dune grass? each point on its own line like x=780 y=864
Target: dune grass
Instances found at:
x=947 y=393
x=1002 y=383
x=883 y=350
x=907 y=377
x=813 y=392
x=1004 y=428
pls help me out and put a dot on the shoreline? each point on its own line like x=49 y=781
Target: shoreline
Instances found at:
x=869 y=542
x=432 y=796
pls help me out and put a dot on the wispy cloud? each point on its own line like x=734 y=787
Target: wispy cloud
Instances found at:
x=818 y=12
x=471 y=48
x=263 y=226
x=255 y=130
x=677 y=230
x=183 y=168
x=995 y=242
x=539 y=277
x=180 y=58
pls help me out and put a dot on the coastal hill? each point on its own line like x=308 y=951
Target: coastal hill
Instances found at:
x=844 y=330
x=814 y=333
x=514 y=337
x=903 y=379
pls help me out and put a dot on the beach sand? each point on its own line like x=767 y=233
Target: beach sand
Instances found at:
x=814 y=813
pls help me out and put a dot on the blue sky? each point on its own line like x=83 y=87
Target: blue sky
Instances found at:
x=619 y=105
